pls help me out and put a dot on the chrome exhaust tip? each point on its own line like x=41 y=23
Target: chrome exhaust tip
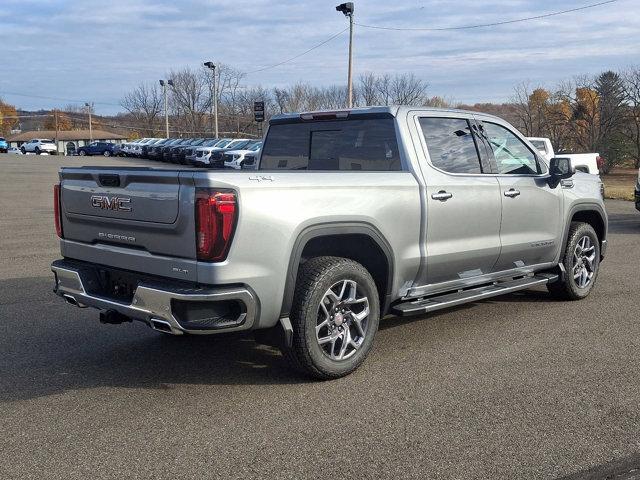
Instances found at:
x=163 y=326
x=72 y=301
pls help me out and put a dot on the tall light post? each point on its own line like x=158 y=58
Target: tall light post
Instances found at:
x=164 y=84
x=89 y=108
x=214 y=97
x=347 y=9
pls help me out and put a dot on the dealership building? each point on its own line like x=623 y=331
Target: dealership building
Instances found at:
x=68 y=140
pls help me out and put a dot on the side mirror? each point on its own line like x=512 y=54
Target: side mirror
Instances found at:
x=560 y=168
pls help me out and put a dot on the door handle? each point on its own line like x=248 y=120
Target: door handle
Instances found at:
x=442 y=196
x=512 y=192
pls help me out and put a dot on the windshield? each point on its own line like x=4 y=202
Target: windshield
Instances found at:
x=238 y=145
x=368 y=144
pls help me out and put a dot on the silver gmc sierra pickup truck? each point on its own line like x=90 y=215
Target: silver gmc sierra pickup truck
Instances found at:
x=351 y=215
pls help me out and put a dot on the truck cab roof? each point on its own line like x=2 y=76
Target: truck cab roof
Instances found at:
x=375 y=111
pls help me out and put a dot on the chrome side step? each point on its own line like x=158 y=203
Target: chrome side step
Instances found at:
x=430 y=304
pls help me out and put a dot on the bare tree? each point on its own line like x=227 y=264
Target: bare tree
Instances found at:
x=399 y=89
x=230 y=96
x=366 y=90
x=520 y=99
x=383 y=90
x=188 y=100
x=144 y=104
x=332 y=97
x=281 y=98
x=407 y=89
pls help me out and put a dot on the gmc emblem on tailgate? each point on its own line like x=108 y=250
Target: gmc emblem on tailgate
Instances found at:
x=104 y=202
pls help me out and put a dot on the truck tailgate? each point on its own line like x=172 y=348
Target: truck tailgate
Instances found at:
x=132 y=208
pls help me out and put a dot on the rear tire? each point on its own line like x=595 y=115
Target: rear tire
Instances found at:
x=37 y=150
x=82 y=153
x=581 y=261
x=335 y=316
x=107 y=153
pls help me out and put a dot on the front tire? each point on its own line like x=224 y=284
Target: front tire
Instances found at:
x=37 y=150
x=335 y=316
x=82 y=153
x=107 y=153
x=581 y=261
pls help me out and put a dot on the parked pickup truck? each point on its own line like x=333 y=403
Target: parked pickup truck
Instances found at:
x=350 y=216
x=585 y=162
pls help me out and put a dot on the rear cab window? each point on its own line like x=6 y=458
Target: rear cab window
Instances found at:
x=451 y=145
x=354 y=143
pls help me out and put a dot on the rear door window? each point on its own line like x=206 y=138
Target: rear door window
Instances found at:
x=367 y=144
x=451 y=144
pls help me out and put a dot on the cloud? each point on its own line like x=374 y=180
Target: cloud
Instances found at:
x=96 y=50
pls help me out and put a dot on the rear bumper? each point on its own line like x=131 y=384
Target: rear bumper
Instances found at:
x=163 y=304
x=637 y=196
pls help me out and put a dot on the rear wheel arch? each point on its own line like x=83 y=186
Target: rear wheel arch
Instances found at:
x=360 y=242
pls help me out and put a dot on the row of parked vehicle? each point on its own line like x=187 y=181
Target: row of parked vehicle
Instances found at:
x=44 y=146
x=234 y=153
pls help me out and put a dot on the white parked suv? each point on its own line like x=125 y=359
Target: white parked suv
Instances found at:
x=38 y=146
x=234 y=158
x=213 y=155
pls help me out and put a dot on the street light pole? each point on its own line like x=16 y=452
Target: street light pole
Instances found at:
x=348 y=9
x=164 y=84
x=88 y=105
x=215 y=102
x=214 y=96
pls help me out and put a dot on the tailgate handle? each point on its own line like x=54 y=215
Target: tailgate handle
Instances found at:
x=109 y=180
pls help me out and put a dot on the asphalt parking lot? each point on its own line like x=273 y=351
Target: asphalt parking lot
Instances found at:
x=518 y=387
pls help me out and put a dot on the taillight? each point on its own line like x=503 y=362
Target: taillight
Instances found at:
x=216 y=214
x=599 y=162
x=57 y=210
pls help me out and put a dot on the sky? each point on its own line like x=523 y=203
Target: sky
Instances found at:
x=90 y=50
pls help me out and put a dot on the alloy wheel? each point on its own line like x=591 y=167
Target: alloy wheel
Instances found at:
x=342 y=321
x=584 y=262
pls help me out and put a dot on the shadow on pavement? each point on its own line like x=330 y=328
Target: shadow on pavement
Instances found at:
x=627 y=468
x=624 y=223
x=48 y=347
